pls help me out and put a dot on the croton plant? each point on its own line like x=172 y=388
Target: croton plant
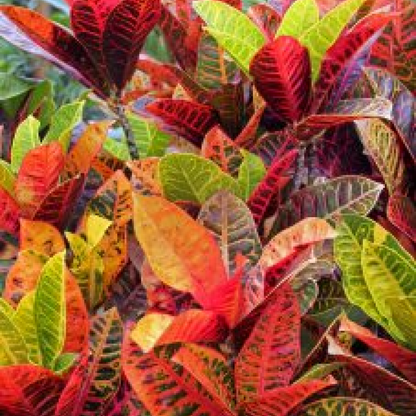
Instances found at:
x=234 y=234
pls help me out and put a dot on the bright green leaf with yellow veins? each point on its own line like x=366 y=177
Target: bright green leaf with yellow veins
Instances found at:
x=50 y=309
x=118 y=149
x=323 y=34
x=63 y=121
x=391 y=279
x=7 y=177
x=24 y=319
x=232 y=29
x=6 y=308
x=25 y=139
x=96 y=227
x=250 y=173
x=64 y=362
x=187 y=177
x=12 y=346
x=300 y=17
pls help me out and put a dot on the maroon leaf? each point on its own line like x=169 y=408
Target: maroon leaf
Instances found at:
x=282 y=75
x=271 y=354
x=56 y=207
x=266 y=18
x=126 y=30
x=9 y=213
x=270 y=186
x=401 y=211
x=33 y=33
x=28 y=390
x=187 y=119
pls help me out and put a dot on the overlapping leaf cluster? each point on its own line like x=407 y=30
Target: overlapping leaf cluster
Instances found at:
x=236 y=236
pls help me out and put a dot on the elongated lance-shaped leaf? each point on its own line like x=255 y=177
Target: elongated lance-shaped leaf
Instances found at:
x=175 y=257
x=35 y=34
x=29 y=390
x=271 y=354
x=13 y=349
x=250 y=173
x=26 y=138
x=233 y=30
x=300 y=17
x=94 y=384
x=390 y=279
x=401 y=211
x=352 y=231
x=7 y=177
x=324 y=33
x=211 y=369
x=187 y=177
x=344 y=406
x=24 y=319
x=232 y=225
x=383 y=145
x=49 y=309
x=329 y=200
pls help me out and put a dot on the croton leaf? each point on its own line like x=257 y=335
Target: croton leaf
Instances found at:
x=284 y=399
x=176 y=257
x=35 y=34
x=270 y=187
x=187 y=177
x=319 y=37
x=29 y=390
x=231 y=224
x=194 y=325
x=211 y=369
x=266 y=17
x=232 y=29
x=9 y=213
x=401 y=358
x=188 y=119
x=282 y=75
x=95 y=381
x=348 y=194
x=7 y=177
x=57 y=205
x=38 y=176
x=271 y=354
x=126 y=29
x=49 y=309
x=301 y=16
x=250 y=173
x=342 y=406
x=401 y=211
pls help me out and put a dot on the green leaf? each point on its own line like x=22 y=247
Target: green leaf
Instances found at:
x=391 y=279
x=24 y=319
x=352 y=231
x=11 y=86
x=233 y=227
x=322 y=35
x=6 y=308
x=300 y=17
x=41 y=102
x=250 y=174
x=232 y=29
x=63 y=121
x=149 y=139
x=319 y=371
x=7 y=177
x=343 y=406
x=187 y=177
x=49 y=309
x=25 y=139
x=12 y=346
x=118 y=149
x=64 y=362
x=96 y=227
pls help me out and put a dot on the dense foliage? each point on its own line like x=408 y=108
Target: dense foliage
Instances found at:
x=235 y=233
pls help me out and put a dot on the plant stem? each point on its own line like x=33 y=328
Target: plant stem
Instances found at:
x=125 y=124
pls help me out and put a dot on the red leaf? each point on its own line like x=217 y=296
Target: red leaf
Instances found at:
x=58 y=204
x=28 y=390
x=266 y=18
x=345 y=50
x=9 y=213
x=282 y=75
x=187 y=119
x=283 y=400
x=126 y=29
x=404 y=360
x=270 y=186
x=271 y=354
x=401 y=211
x=38 y=175
x=33 y=33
